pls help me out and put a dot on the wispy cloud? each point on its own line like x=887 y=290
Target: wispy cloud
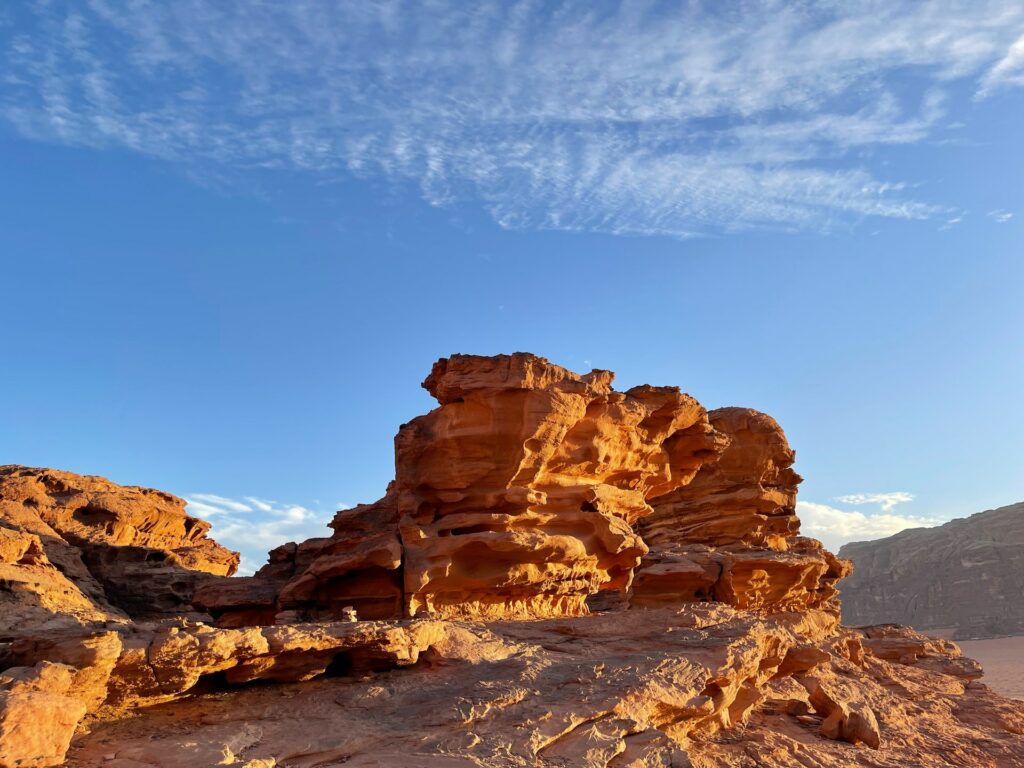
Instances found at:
x=255 y=526
x=885 y=501
x=629 y=117
x=1007 y=72
x=836 y=527
x=999 y=216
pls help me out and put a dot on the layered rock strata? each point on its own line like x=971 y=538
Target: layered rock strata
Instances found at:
x=399 y=640
x=731 y=534
x=534 y=491
x=77 y=549
x=965 y=577
x=747 y=497
x=517 y=496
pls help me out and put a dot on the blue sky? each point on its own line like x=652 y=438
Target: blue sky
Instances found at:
x=235 y=236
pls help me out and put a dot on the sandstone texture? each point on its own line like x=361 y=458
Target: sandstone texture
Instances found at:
x=76 y=550
x=965 y=577
x=731 y=534
x=705 y=686
x=559 y=575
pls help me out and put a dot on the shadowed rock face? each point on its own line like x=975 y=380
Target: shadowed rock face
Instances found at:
x=966 y=575
x=79 y=549
x=527 y=494
x=356 y=568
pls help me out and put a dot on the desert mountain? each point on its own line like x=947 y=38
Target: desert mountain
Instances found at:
x=560 y=574
x=966 y=576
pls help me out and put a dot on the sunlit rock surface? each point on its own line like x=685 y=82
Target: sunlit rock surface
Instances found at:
x=518 y=495
x=77 y=549
x=560 y=575
x=731 y=534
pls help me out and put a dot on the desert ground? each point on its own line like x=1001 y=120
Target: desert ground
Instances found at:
x=1003 y=660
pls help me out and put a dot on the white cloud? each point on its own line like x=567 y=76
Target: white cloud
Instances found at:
x=632 y=118
x=219 y=504
x=1008 y=71
x=885 y=501
x=836 y=527
x=999 y=216
x=263 y=505
x=255 y=533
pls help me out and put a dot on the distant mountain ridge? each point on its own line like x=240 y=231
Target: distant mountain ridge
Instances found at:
x=966 y=575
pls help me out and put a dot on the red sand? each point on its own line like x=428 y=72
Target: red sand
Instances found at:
x=1003 y=660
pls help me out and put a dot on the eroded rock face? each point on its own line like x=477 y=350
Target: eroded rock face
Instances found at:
x=601 y=691
x=730 y=535
x=747 y=497
x=317 y=580
x=77 y=549
x=533 y=491
x=398 y=640
x=37 y=594
x=517 y=496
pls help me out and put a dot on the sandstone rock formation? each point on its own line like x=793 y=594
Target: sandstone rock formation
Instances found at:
x=707 y=686
x=731 y=533
x=318 y=579
x=515 y=498
x=518 y=495
x=76 y=550
x=747 y=497
x=497 y=607
x=965 y=577
x=523 y=496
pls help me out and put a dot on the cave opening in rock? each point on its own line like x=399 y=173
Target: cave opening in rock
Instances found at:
x=340 y=666
x=92 y=515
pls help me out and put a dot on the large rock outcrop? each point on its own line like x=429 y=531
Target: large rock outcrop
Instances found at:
x=965 y=577
x=515 y=498
x=76 y=549
x=518 y=495
x=730 y=535
x=399 y=640
x=533 y=491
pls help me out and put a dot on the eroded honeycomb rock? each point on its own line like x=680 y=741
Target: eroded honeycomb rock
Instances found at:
x=79 y=549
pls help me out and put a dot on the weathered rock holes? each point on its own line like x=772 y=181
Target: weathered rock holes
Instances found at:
x=95 y=516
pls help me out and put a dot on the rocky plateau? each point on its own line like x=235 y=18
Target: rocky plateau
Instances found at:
x=560 y=574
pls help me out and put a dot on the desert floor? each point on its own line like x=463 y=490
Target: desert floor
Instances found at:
x=1003 y=660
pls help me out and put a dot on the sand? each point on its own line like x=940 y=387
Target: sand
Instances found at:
x=1003 y=660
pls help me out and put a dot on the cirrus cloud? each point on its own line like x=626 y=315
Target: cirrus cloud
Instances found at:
x=254 y=526
x=628 y=117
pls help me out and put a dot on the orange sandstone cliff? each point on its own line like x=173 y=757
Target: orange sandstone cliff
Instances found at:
x=559 y=575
